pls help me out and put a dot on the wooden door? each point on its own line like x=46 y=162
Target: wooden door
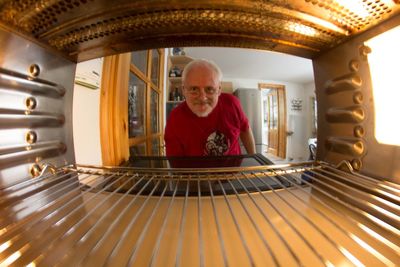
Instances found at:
x=276 y=106
x=273 y=115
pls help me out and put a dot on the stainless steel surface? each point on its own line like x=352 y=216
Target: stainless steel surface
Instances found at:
x=250 y=99
x=320 y=216
x=346 y=109
x=83 y=30
x=35 y=109
x=288 y=215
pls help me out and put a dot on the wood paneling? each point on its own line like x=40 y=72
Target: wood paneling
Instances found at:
x=114 y=109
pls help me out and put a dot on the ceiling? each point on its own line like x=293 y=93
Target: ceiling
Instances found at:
x=240 y=63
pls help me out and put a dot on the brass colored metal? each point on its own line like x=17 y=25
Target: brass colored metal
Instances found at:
x=359 y=131
x=34 y=70
x=345 y=145
x=365 y=50
x=358 y=98
x=30 y=103
x=357 y=164
x=84 y=29
x=354 y=65
x=69 y=217
x=35 y=170
x=353 y=114
x=31 y=137
x=347 y=82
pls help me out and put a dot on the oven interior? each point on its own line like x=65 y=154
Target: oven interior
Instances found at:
x=342 y=209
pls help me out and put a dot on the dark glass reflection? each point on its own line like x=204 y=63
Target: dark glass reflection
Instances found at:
x=136 y=106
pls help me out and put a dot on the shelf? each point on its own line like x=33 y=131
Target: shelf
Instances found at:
x=174 y=102
x=175 y=79
x=179 y=60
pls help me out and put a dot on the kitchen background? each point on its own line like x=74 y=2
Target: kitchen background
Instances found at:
x=245 y=69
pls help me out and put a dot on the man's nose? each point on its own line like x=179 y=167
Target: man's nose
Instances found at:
x=202 y=93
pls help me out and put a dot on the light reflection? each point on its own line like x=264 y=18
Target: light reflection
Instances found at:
x=382 y=61
x=11 y=259
x=355 y=6
x=386 y=212
x=386 y=202
x=383 y=224
x=379 y=237
x=351 y=257
x=372 y=251
x=4 y=246
x=390 y=188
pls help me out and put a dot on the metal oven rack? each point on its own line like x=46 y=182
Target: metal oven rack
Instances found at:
x=308 y=214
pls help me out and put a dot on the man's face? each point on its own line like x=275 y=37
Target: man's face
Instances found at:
x=201 y=90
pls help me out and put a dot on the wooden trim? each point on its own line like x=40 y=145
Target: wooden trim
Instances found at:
x=282 y=122
x=114 y=109
x=148 y=102
x=138 y=140
x=282 y=113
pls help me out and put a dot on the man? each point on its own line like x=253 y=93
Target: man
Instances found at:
x=208 y=122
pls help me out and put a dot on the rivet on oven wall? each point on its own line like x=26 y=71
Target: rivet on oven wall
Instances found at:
x=354 y=114
x=348 y=82
x=348 y=146
x=31 y=137
x=358 y=98
x=365 y=50
x=30 y=103
x=34 y=70
x=356 y=163
x=358 y=131
x=354 y=65
x=35 y=170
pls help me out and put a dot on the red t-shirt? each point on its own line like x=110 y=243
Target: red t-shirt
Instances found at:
x=186 y=134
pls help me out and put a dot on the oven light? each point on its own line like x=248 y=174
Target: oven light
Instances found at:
x=383 y=61
x=302 y=29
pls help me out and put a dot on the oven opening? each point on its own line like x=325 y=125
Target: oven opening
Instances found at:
x=276 y=92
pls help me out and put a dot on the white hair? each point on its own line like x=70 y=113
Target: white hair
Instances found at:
x=203 y=63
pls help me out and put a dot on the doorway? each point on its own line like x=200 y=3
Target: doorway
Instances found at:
x=275 y=112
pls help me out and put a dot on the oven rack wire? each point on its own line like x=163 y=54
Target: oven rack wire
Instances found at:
x=305 y=214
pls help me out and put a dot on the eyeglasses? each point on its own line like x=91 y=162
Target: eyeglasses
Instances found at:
x=195 y=91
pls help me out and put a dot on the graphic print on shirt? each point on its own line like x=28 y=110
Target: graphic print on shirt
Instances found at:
x=217 y=144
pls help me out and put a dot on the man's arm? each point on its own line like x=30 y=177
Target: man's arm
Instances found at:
x=248 y=141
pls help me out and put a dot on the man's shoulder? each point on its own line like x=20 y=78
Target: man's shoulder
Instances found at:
x=229 y=99
x=179 y=112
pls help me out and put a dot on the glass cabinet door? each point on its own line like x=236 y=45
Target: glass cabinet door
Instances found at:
x=144 y=99
x=136 y=106
x=155 y=67
x=139 y=60
x=154 y=110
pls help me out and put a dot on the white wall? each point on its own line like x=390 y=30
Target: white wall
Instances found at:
x=298 y=121
x=86 y=118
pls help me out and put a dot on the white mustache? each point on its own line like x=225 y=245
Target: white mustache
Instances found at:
x=202 y=102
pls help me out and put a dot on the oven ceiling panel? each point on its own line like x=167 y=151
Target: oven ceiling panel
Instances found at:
x=86 y=29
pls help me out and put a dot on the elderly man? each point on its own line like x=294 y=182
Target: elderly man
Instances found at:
x=208 y=122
